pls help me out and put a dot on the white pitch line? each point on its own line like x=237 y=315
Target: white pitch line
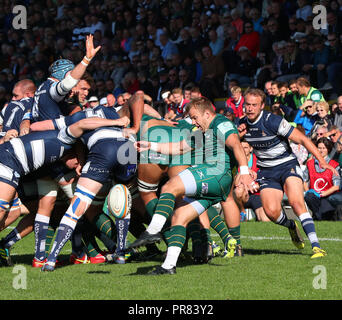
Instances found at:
x=278 y=238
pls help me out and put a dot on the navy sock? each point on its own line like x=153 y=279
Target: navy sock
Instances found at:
x=41 y=225
x=122 y=226
x=65 y=230
x=309 y=228
x=283 y=221
x=11 y=238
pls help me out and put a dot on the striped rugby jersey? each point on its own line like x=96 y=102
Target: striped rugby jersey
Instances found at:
x=268 y=136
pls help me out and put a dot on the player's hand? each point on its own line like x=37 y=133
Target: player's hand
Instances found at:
x=247 y=181
x=24 y=131
x=242 y=129
x=329 y=167
x=128 y=132
x=123 y=122
x=10 y=134
x=90 y=50
x=173 y=122
x=142 y=145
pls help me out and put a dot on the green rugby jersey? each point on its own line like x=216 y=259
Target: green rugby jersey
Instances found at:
x=216 y=153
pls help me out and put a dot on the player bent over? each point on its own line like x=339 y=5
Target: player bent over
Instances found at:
x=25 y=154
x=202 y=185
x=109 y=152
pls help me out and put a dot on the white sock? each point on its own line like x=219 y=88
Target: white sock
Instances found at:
x=156 y=224
x=171 y=257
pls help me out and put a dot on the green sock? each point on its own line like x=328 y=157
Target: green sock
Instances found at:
x=92 y=247
x=49 y=237
x=235 y=232
x=166 y=204
x=194 y=230
x=151 y=206
x=205 y=236
x=105 y=225
x=177 y=236
x=218 y=224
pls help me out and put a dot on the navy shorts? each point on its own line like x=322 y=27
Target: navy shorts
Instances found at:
x=103 y=163
x=274 y=177
x=10 y=171
x=254 y=202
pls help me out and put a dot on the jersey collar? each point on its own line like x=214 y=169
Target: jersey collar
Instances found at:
x=257 y=120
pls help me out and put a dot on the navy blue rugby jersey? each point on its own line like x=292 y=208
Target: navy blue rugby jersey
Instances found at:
x=47 y=101
x=14 y=112
x=268 y=136
x=36 y=149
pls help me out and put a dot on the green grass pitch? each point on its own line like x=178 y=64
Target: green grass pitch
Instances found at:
x=272 y=269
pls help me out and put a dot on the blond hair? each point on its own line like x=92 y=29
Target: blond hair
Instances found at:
x=235 y=89
x=323 y=104
x=202 y=104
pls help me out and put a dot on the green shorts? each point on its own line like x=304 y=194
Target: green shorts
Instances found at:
x=206 y=184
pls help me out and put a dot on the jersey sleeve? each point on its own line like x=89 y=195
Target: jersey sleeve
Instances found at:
x=225 y=129
x=278 y=125
x=58 y=92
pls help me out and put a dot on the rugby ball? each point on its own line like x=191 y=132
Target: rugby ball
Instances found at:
x=119 y=201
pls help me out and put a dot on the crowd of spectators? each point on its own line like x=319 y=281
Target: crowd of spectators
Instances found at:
x=157 y=45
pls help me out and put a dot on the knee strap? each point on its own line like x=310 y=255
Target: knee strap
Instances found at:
x=15 y=204
x=5 y=205
x=82 y=196
x=147 y=187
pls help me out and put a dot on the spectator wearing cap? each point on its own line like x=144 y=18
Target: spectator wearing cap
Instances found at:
x=93 y=101
x=104 y=102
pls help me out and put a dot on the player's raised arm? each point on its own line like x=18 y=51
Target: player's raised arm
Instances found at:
x=299 y=138
x=136 y=108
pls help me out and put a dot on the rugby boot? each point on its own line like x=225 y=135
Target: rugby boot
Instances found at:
x=318 y=253
x=160 y=270
x=296 y=237
x=146 y=238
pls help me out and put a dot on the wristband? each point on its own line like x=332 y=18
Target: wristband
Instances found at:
x=85 y=64
x=244 y=170
x=154 y=146
x=87 y=59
